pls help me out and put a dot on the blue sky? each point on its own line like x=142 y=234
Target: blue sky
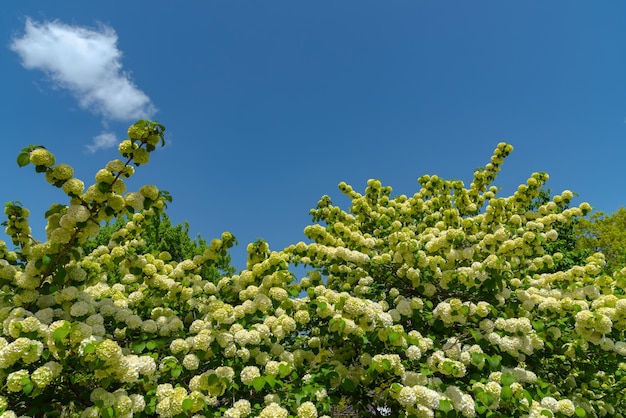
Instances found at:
x=269 y=105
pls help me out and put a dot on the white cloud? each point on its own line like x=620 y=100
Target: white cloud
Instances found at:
x=103 y=141
x=87 y=63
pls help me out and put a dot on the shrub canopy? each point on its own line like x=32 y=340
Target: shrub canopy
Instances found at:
x=449 y=303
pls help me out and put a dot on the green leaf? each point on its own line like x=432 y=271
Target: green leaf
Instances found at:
x=494 y=361
x=56 y=208
x=581 y=413
x=62 y=332
x=138 y=347
x=89 y=348
x=107 y=412
x=478 y=358
x=283 y=370
x=213 y=379
x=507 y=379
x=396 y=387
x=176 y=371
x=506 y=393
x=187 y=404
x=258 y=383
x=445 y=405
x=486 y=398
x=270 y=380
x=476 y=335
x=27 y=387
x=23 y=159
x=47 y=260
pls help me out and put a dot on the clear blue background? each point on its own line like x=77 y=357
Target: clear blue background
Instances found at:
x=269 y=105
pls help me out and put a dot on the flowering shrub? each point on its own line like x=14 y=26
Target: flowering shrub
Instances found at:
x=446 y=303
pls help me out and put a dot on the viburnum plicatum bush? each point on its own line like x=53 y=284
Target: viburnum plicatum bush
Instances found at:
x=445 y=303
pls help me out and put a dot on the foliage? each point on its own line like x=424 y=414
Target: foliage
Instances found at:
x=446 y=303
x=606 y=234
x=160 y=235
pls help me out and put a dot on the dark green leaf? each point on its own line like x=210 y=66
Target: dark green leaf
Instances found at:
x=438 y=325
x=103 y=187
x=348 y=385
x=335 y=375
x=60 y=274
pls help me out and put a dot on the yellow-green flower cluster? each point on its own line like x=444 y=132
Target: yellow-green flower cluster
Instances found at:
x=42 y=157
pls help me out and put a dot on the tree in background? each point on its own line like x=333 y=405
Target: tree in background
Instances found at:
x=160 y=235
x=606 y=234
